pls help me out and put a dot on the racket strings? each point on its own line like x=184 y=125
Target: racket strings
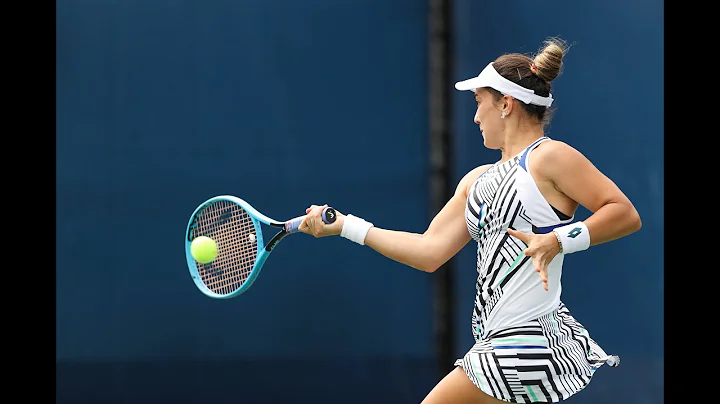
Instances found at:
x=234 y=232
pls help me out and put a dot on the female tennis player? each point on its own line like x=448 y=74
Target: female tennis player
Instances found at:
x=520 y=212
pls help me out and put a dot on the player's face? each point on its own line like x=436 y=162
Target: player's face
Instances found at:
x=487 y=116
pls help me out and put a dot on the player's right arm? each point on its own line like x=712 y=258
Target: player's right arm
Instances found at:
x=446 y=235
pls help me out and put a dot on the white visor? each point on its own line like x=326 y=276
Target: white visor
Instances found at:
x=489 y=77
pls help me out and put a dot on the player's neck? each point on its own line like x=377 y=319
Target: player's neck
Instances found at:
x=519 y=141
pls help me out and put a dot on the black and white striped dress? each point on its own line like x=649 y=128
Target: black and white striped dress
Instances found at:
x=528 y=347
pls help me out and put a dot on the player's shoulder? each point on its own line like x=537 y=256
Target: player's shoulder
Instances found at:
x=554 y=157
x=553 y=145
x=553 y=149
x=469 y=178
x=473 y=174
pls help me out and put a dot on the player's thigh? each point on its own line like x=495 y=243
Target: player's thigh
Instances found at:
x=456 y=388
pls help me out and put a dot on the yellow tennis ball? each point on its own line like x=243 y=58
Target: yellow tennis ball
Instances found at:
x=203 y=249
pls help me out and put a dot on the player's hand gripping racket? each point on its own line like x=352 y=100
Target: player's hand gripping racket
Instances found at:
x=234 y=225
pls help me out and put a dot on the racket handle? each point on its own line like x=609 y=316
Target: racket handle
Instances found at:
x=328 y=216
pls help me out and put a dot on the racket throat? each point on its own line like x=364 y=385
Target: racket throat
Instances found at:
x=276 y=239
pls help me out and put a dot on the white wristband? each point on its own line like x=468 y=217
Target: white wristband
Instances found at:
x=573 y=237
x=355 y=229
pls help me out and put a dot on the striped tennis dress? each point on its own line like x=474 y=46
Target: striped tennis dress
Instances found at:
x=528 y=348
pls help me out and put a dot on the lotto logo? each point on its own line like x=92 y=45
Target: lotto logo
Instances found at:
x=574 y=232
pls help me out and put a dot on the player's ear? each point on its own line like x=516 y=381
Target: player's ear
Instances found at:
x=508 y=103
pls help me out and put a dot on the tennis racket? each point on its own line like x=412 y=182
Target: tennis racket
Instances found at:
x=241 y=249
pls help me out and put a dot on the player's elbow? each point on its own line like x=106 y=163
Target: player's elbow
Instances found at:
x=629 y=219
x=635 y=223
x=434 y=251
x=429 y=266
x=431 y=262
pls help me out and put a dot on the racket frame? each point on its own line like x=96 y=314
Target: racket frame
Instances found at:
x=263 y=251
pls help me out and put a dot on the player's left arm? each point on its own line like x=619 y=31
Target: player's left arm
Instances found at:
x=571 y=173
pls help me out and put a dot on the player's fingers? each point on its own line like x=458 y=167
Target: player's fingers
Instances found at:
x=519 y=235
x=312 y=218
x=543 y=276
x=309 y=213
x=316 y=211
x=313 y=222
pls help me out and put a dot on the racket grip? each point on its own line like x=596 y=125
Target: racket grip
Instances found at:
x=328 y=216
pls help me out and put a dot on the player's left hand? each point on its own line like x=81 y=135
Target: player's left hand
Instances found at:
x=542 y=248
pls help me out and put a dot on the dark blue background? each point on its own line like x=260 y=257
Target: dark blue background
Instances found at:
x=163 y=104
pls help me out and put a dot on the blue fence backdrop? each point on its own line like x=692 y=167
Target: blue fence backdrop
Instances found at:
x=162 y=104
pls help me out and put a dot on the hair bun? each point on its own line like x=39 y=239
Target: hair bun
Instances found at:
x=547 y=63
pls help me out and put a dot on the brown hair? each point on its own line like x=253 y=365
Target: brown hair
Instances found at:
x=534 y=73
